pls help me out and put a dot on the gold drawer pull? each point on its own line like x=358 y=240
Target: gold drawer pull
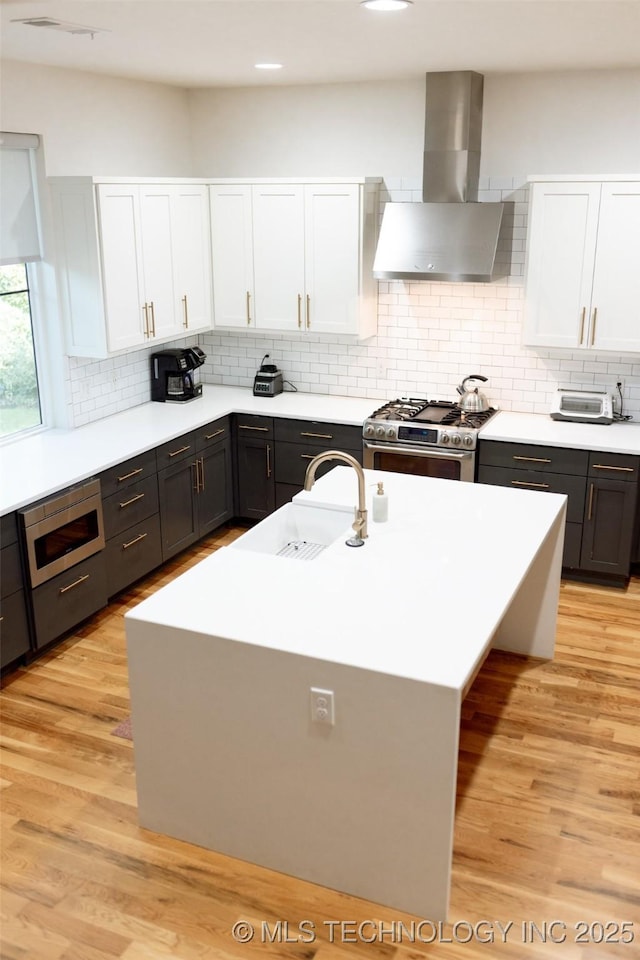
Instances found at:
x=590 y=511
x=141 y=536
x=75 y=583
x=321 y=436
x=606 y=466
x=210 y=436
x=180 y=450
x=185 y=322
x=153 y=318
x=582 y=319
x=308 y=312
x=127 y=503
x=307 y=456
x=248 y=308
x=593 y=325
x=299 y=306
x=134 y=473
x=268 y=460
x=537 y=486
x=244 y=426
x=532 y=459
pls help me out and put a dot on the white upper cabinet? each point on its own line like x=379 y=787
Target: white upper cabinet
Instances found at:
x=295 y=256
x=583 y=265
x=133 y=262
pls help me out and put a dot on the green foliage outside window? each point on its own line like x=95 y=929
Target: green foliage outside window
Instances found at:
x=19 y=399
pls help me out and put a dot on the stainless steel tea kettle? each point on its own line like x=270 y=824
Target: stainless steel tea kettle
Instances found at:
x=471 y=400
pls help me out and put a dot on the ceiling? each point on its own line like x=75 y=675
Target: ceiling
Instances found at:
x=204 y=43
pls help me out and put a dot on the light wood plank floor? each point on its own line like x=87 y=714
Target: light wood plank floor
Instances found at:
x=547 y=828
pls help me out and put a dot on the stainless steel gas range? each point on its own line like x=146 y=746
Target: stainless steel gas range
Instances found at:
x=430 y=438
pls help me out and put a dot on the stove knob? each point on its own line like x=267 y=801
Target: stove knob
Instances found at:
x=369 y=430
x=467 y=440
x=455 y=439
x=380 y=431
x=444 y=438
x=391 y=433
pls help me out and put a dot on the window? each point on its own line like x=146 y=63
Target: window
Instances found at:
x=19 y=395
x=19 y=245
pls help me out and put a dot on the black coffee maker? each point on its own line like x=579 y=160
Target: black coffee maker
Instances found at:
x=175 y=376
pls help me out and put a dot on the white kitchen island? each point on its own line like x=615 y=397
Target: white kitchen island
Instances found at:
x=222 y=661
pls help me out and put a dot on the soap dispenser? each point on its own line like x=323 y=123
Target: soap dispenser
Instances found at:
x=380 y=505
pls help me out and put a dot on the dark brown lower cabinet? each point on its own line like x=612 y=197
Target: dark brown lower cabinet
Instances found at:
x=195 y=496
x=64 y=601
x=609 y=526
x=255 y=466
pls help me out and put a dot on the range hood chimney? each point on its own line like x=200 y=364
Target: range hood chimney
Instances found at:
x=449 y=236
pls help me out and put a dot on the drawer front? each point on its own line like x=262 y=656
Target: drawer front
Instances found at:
x=614 y=466
x=127 y=473
x=8 y=529
x=292 y=460
x=130 y=506
x=14 y=630
x=326 y=435
x=131 y=556
x=529 y=456
x=10 y=570
x=176 y=450
x=64 y=601
x=249 y=425
x=574 y=487
x=213 y=433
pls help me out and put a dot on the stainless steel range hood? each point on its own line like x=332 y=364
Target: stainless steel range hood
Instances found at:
x=449 y=236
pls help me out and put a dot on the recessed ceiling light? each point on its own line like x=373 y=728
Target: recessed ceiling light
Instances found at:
x=268 y=66
x=386 y=4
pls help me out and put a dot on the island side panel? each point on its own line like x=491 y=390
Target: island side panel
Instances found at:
x=227 y=758
x=529 y=625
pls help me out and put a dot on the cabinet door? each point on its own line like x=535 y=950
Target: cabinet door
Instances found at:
x=609 y=526
x=191 y=247
x=215 y=497
x=616 y=285
x=121 y=255
x=332 y=254
x=157 y=259
x=563 y=224
x=232 y=255
x=177 y=497
x=278 y=251
x=255 y=480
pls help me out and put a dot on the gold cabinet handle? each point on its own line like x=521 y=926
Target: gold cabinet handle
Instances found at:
x=153 y=319
x=145 y=311
x=141 y=536
x=247 y=426
x=185 y=322
x=248 y=308
x=593 y=325
x=127 y=476
x=532 y=459
x=307 y=456
x=75 y=583
x=582 y=319
x=210 y=436
x=195 y=467
x=268 y=460
x=308 y=311
x=590 y=511
x=321 y=436
x=536 y=486
x=180 y=450
x=606 y=466
x=299 y=310
x=127 y=503
x=201 y=462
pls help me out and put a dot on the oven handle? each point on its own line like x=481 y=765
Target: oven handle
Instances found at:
x=420 y=451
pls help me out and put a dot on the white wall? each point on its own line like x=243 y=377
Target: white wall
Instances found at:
x=430 y=334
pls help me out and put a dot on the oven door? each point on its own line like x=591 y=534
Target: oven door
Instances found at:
x=419 y=461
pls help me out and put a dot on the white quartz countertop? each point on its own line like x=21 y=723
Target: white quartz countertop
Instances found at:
x=535 y=428
x=421 y=599
x=48 y=461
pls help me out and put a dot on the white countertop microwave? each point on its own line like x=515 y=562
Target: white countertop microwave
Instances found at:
x=583 y=406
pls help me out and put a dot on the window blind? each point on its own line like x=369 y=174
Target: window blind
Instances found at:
x=19 y=220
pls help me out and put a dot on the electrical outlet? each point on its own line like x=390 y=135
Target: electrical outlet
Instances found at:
x=381 y=370
x=322 y=706
x=620 y=384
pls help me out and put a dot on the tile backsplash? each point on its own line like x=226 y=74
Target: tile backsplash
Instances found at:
x=430 y=336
